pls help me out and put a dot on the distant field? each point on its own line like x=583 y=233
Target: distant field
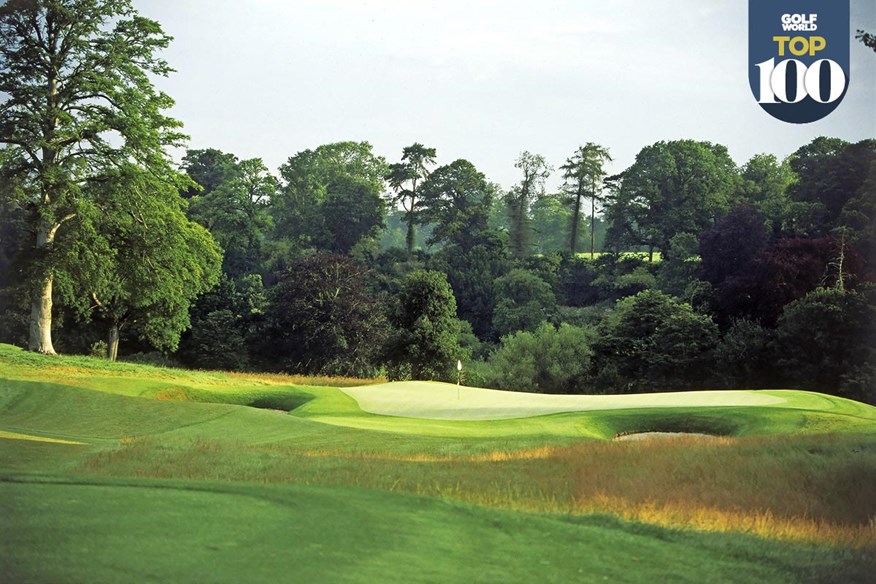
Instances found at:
x=113 y=470
x=656 y=256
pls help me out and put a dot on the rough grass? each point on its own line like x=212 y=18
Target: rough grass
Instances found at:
x=184 y=531
x=798 y=473
x=809 y=490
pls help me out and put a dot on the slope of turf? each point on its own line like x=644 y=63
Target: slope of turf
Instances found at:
x=219 y=532
x=108 y=470
x=767 y=412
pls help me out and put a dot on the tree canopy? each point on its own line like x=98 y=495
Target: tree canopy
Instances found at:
x=456 y=199
x=672 y=187
x=424 y=342
x=582 y=174
x=79 y=104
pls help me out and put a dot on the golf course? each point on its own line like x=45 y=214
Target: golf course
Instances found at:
x=116 y=472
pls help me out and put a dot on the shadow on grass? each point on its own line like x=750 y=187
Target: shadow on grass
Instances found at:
x=285 y=403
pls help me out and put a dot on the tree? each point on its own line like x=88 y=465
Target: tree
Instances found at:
x=583 y=173
x=472 y=274
x=322 y=319
x=858 y=218
x=351 y=212
x=456 y=198
x=745 y=356
x=299 y=210
x=829 y=173
x=728 y=248
x=225 y=324
x=424 y=343
x=520 y=198
x=155 y=263
x=868 y=39
x=551 y=218
x=404 y=178
x=652 y=341
x=546 y=360
x=79 y=104
x=209 y=168
x=673 y=187
x=233 y=206
x=784 y=272
x=523 y=302
x=764 y=185
x=825 y=342
x=679 y=267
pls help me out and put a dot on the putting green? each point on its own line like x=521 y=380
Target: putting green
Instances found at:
x=444 y=401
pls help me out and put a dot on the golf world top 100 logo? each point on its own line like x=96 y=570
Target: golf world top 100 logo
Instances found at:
x=798 y=53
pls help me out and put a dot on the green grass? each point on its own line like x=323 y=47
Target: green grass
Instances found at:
x=642 y=254
x=177 y=480
x=183 y=531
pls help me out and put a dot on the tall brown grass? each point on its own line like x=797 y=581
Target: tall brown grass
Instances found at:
x=814 y=488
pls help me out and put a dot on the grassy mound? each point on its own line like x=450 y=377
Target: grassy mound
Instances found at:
x=177 y=531
x=108 y=469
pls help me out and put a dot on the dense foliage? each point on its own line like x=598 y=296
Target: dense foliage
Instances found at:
x=424 y=344
x=698 y=272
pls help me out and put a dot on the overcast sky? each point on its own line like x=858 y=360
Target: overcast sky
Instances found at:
x=482 y=79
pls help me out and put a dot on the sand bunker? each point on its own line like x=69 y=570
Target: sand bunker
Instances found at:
x=639 y=436
x=444 y=401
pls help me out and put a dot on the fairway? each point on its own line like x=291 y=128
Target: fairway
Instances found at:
x=444 y=401
x=118 y=472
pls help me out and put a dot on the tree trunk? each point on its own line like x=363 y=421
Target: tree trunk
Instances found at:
x=112 y=346
x=592 y=227
x=40 y=340
x=576 y=218
x=518 y=240
x=411 y=233
x=41 y=319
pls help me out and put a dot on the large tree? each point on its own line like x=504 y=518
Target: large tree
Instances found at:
x=521 y=197
x=79 y=102
x=424 y=342
x=681 y=186
x=209 y=168
x=551 y=218
x=312 y=177
x=156 y=261
x=582 y=174
x=523 y=302
x=233 y=205
x=321 y=318
x=830 y=172
x=545 y=360
x=826 y=341
x=652 y=341
x=764 y=185
x=405 y=177
x=456 y=198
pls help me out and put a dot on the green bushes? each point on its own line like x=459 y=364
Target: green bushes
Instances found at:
x=652 y=341
x=425 y=340
x=548 y=360
x=826 y=340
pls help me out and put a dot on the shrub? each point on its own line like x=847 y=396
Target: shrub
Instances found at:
x=425 y=341
x=653 y=341
x=548 y=360
x=826 y=342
